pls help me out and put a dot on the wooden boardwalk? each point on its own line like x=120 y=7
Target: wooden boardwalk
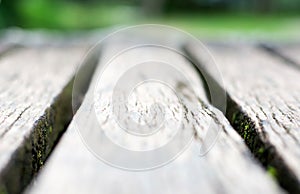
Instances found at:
x=254 y=147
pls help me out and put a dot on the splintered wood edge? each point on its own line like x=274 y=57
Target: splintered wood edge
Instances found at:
x=229 y=161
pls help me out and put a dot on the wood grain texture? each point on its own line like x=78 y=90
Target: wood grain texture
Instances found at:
x=227 y=168
x=35 y=107
x=263 y=106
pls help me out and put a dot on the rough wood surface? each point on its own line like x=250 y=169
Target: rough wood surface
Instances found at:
x=35 y=95
x=227 y=168
x=288 y=53
x=263 y=106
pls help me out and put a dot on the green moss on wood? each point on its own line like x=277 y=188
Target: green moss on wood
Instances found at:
x=245 y=127
x=261 y=149
x=30 y=157
x=272 y=171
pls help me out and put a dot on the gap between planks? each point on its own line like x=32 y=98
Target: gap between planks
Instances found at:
x=262 y=98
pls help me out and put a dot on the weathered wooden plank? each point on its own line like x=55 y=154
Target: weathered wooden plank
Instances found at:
x=35 y=107
x=29 y=38
x=263 y=106
x=227 y=168
x=5 y=48
x=292 y=52
x=289 y=53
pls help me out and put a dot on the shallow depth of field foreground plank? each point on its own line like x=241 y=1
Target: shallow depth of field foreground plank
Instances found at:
x=227 y=168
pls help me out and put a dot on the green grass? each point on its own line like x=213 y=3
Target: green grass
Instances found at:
x=235 y=25
x=71 y=16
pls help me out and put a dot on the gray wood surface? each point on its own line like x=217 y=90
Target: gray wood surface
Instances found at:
x=263 y=106
x=35 y=96
x=291 y=52
x=288 y=53
x=228 y=167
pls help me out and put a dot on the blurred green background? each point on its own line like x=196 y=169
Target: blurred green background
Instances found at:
x=272 y=19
